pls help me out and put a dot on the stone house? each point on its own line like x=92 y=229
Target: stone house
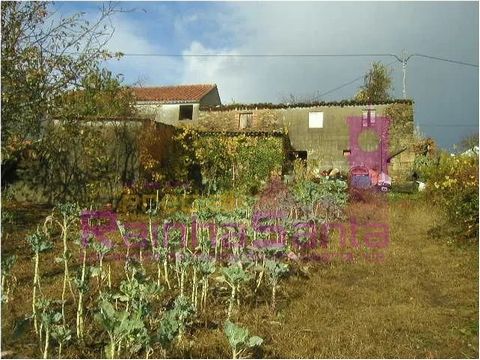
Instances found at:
x=174 y=105
x=317 y=132
x=321 y=133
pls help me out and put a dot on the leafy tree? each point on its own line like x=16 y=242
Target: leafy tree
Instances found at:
x=377 y=84
x=83 y=160
x=99 y=94
x=44 y=56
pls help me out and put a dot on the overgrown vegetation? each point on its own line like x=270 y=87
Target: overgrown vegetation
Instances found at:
x=232 y=161
x=44 y=56
x=171 y=269
x=139 y=313
x=452 y=185
x=221 y=248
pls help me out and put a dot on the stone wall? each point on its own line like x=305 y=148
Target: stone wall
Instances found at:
x=262 y=119
x=324 y=146
x=166 y=113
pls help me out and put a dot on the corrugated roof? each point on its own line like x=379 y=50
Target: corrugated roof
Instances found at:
x=176 y=94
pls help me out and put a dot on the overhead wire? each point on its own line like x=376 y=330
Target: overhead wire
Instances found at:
x=348 y=83
x=400 y=59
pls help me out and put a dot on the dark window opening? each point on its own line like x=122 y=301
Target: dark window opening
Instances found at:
x=186 y=112
x=294 y=155
x=288 y=168
x=302 y=155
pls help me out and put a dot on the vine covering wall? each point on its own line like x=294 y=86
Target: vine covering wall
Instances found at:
x=232 y=160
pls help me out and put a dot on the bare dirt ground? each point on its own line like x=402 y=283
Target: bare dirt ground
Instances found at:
x=421 y=301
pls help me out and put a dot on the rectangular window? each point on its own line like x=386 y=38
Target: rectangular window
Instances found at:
x=368 y=117
x=365 y=118
x=373 y=116
x=315 y=120
x=185 y=112
x=245 y=120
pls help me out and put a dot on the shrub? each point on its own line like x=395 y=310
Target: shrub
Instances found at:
x=231 y=161
x=77 y=161
x=452 y=184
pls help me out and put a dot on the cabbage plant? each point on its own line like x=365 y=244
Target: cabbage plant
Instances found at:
x=118 y=325
x=240 y=340
x=62 y=335
x=234 y=276
x=39 y=243
x=206 y=268
x=81 y=280
x=98 y=272
x=69 y=215
x=275 y=271
x=175 y=321
x=7 y=264
x=48 y=317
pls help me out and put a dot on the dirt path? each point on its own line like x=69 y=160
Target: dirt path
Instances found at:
x=421 y=302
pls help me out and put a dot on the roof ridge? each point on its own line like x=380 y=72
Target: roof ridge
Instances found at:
x=176 y=93
x=164 y=86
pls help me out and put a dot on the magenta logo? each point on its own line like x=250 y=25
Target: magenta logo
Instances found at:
x=308 y=240
x=368 y=153
x=269 y=230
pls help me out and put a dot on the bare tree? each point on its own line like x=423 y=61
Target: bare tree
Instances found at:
x=468 y=142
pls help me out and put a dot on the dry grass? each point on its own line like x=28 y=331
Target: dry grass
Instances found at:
x=422 y=301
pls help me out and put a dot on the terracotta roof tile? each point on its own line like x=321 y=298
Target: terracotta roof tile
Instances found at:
x=179 y=93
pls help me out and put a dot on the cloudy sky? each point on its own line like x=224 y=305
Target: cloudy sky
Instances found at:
x=445 y=93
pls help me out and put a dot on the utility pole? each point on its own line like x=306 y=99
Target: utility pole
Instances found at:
x=404 y=60
x=404 y=71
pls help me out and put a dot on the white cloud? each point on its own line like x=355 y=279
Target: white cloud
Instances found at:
x=280 y=29
x=309 y=28
x=132 y=38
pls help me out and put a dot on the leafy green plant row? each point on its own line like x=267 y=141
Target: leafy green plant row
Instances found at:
x=128 y=312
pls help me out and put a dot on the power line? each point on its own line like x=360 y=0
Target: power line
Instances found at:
x=446 y=60
x=255 y=55
x=348 y=83
x=450 y=125
x=403 y=60
x=400 y=59
x=341 y=86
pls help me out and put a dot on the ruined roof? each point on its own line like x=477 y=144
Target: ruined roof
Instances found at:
x=242 y=132
x=173 y=94
x=340 y=103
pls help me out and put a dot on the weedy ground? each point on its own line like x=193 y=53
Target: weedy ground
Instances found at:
x=421 y=301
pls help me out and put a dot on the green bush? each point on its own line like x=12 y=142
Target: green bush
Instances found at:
x=226 y=161
x=452 y=184
x=78 y=161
